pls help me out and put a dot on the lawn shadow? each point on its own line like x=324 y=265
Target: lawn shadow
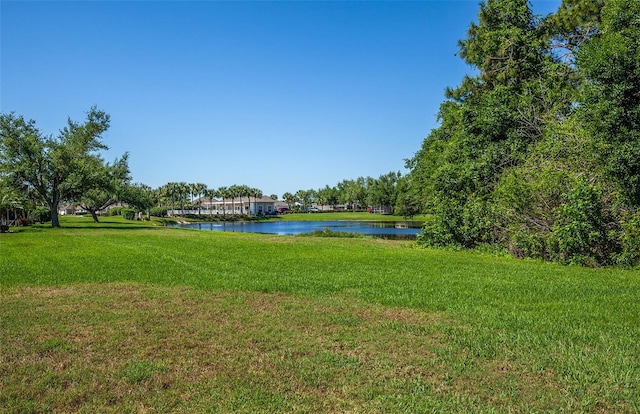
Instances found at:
x=89 y=226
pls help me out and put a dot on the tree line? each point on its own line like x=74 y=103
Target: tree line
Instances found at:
x=383 y=194
x=191 y=195
x=38 y=173
x=539 y=152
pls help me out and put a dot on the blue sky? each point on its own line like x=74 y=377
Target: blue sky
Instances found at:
x=281 y=96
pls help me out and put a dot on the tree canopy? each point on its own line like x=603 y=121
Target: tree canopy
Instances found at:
x=57 y=169
x=540 y=153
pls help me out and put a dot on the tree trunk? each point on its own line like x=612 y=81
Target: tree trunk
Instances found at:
x=94 y=215
x=55 y=222
x=53 y=206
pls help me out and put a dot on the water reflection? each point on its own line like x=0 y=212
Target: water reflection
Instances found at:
x=384 y=229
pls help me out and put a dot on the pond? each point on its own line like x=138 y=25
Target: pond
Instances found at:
x=384 y=229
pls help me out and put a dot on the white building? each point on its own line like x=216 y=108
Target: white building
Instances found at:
x=239 y=205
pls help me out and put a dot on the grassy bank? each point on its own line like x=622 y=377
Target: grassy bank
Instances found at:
x=122 y=317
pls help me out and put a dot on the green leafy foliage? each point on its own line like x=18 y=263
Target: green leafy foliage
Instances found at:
x=630 y=240
x=41 y=214
x=158 y=212
x=610 y=64
x=128 y=213
x=56 y=169
x=540 y=152
x=107 y=180
x=579 y=234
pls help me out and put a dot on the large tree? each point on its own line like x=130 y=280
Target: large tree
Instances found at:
x=210 y=194
x=489 y=122
x=223 y=192
x=256 y=193
x=610 y=64
x=290 y=199
x=56 y=168
x=383 y=192
x=539 y=152
x=139 y=196
x=197 y=190
x=108 y=182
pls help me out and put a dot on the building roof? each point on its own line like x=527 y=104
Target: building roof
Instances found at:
x=263 y=199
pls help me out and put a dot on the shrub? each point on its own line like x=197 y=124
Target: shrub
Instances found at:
x=527 y=243
x=579 y=235
x=115 y=211
x=463 y=223
x=158 y=212
x=128 y=213
x=41 y=214
x=434 y=233
x=327 y=232
x=630 y=241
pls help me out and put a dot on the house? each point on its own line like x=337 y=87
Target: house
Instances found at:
x=239 y=205
x=281 y=206
x=66 y=209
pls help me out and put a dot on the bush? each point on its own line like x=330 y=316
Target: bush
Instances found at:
x=327 y=232
x=434 y=233
x=630 y=241
x=128 y=213
x=527 y=243
x=579 y=235
x=41 y=215
x=158 y=212
x=115 y=211
x=463 y=223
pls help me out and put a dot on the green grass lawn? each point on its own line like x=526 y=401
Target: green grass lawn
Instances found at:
x=131 y=317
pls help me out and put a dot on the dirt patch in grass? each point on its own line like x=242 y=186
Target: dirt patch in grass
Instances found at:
x=138 y=348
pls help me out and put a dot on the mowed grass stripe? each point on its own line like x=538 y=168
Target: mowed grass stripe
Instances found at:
x=504 y=334
x=121 y=347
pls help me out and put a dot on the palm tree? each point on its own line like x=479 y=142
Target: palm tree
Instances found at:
x=209 y=193
x=161 y=197
x=183 y=192
x=234 y=191
x=191 y=194
x=212 y=193
x=305 y=197
x=197 y=190
x=172 y=193
x=224 y=193
x=322 y=196
x=245 y=191
x=257 y=193
x=289 y=198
